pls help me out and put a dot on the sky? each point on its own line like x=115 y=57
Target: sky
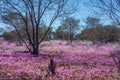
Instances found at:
x=82 y=13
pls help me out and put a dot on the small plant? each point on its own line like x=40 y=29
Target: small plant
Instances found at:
x=51 y=67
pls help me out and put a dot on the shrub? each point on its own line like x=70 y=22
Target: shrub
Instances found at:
x=9 y=36
x=102 y=34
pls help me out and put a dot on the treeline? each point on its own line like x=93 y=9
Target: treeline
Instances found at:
x=13 y=36
x=69 y=30
x=101 y=34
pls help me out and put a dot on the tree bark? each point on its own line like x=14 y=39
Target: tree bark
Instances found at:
x=35 y=50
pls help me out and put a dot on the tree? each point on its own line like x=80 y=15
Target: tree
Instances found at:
x=92 y=22
x=31 y=13
x=60 y=34
x=70 y=25
x=9 y=36
x=111 y=8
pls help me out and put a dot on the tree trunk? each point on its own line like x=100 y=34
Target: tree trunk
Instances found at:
x=35 y=50
x=71 y=38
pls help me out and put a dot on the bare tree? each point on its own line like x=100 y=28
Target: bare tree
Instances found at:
x=31 y=13
x=111 y=8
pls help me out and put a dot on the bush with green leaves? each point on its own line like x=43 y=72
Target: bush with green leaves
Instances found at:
x=101 y=33
x=9 y=36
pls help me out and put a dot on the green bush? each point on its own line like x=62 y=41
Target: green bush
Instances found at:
x=9 y=36
x=102 y=34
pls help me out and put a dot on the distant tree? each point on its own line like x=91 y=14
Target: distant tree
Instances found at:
x=71 y=26
x=31 y=13
x=92 y=22
x=60 y=33
x=12 y=35
x=9 y=36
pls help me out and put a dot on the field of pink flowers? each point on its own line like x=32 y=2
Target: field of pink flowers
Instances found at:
x=79 y=61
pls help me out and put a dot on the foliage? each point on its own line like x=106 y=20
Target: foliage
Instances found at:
x=9 y=36
x=101 y=34
x=70 y=25
x=92 y=22
x=60 y=34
